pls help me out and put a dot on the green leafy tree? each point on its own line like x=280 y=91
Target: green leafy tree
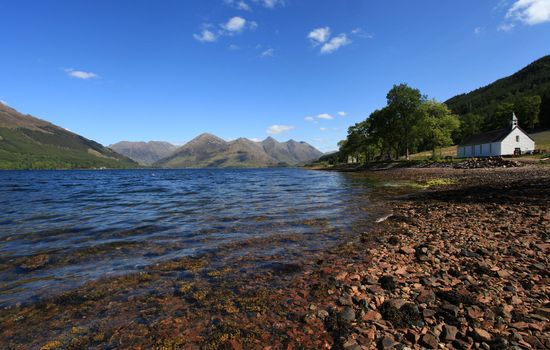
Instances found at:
x=436 y=125
x=470 y=124
x=403 y=105
x=527 y=109
x=360 y=143
x=500 y=117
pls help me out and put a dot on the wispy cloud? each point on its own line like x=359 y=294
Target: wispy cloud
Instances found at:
x=325 y=116
x=79 y=74
x=239 y=5
x=335 y=43
x=255 y=139
x=319 y=36
x=526 y=12
x=206 y=36
x=268 y=53
x=359 y=32
x=278 y=129
x=506 y=27
x=234 y=25
x=477 y=30
x=322 y=36
x=309 y=119
x=530 y=12
x=342 y=114
x=271 y=3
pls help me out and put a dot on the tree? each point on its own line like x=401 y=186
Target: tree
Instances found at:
x=470 y=124
x=500 y=117
x=527 y=109
x=360 y=143
x=436 y=124
x=403 y=105
x=545 y=110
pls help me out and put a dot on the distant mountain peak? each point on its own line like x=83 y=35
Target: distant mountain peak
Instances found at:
x=207 y=150
x=143 y=152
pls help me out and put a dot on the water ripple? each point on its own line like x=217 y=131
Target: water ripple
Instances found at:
x=83 y=225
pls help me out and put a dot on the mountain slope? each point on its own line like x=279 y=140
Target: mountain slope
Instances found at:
x=209 y=151
x=529 y=81
x=27 y=142
x=290 y=152
x=145 y=153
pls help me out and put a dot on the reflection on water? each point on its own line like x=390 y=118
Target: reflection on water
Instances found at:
x=59 y=229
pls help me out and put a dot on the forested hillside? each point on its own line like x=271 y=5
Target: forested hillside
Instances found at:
x=527 y=93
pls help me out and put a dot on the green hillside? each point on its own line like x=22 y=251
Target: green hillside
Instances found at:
x=490 y=107
x=31 y=143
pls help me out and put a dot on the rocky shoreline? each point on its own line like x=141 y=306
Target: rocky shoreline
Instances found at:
x=460 y=265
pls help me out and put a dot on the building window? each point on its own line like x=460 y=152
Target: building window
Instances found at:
x=517 y=138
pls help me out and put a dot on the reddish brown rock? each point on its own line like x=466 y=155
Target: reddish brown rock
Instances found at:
x=482 y=334
x=449 y=333
x=426 y=296
x=429 y=341
x=407 y=250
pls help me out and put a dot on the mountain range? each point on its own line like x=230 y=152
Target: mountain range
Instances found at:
x=27 y=142
x=145 y=153
x=210 y=151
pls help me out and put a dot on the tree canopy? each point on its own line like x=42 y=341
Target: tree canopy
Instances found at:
x=408 y=122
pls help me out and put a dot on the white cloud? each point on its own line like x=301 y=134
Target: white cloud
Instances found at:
x=323 y=129
x=255 y=139
x=325 y=116
x=335 y=43
x=268 y=53
x=342 y=114
x=240 y=5
x=319 y=35
x=79 y=74
x=4 y=103
x=477 y=30
x=530 y=12
x=309 y=119
x=506 y=27
x=206 y=36
x=278 y=129
x=235 y=24
x=233 y=47
x=271 y=3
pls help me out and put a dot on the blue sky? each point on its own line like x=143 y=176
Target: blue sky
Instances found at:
x=302 y=69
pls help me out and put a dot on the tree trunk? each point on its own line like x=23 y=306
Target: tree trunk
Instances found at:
x=407 y=155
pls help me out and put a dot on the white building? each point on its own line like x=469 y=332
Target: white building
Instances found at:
x=503 y=142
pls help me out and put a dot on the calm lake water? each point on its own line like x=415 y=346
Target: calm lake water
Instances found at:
x=59 y=229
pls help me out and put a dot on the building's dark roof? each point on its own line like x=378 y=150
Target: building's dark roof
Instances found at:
x=489 y=137
x=486 y=137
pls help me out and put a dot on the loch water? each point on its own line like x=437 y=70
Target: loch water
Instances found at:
x=61 y=229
